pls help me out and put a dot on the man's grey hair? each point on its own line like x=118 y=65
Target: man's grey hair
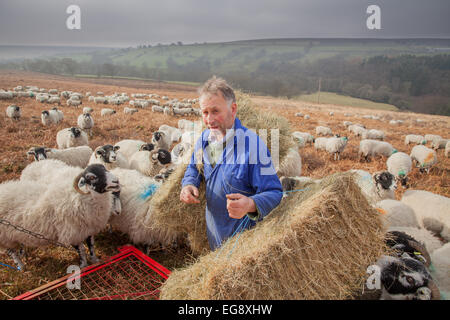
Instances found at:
x=215 y=85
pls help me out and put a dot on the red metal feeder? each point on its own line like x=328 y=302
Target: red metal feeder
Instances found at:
x=129 y=275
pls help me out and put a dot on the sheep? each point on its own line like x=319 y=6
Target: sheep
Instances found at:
x=373 y=134
x=42 y=170
x=396 y=214
x=88 y=110
x=356 y=129
x=305 y=136
x=375 y=187
x=347 y=123
x=172 y=132
x=13 y=112
x=414 y=138
x=109 y=156
x=75 y=156
x=335 y=146
x=128 y=147
x=423 y=157
x=179 y=151
x=54 y=99
x=431 y=137
x=73 y=102
x=56 y=115
x=293 y=183
x=127 y=110
x=307 y=117
x=370 y=148
x=432 y=210
x=182 y=111
x=331 y=113
x=156 y=108
x=61 y=211
x=429 y=242
x=441 y=269
x=325 y=131
x=101 y=100
x=71 y=137
x=162 y=140
x=439 y=143
x=6 y=95
x=399 y=164
x=65 y=94
x=150 y=163
x=47 y=119
x=404 y=278
x=135 y=219
x=107 y=112
x=447 y=149
x=86 y=122
x=320 y=143
x=291 y=165
x=186 y=125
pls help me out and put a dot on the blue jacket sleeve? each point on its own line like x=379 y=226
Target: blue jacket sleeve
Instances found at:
x=267 y=185
x=192 y=176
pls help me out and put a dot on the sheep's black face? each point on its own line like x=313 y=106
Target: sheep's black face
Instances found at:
x=99 y=179
x=147 y=147
x=157 y=135
x=164 y=156
x=288 y=184
x=45 y=113
x=107 y=153
x=404 y=276
x=75 y=131
x=405 y=244
x=38 y=153
x=16 y=108
x=386 y=180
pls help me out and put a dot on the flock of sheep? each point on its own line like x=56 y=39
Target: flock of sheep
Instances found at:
x=71 y=193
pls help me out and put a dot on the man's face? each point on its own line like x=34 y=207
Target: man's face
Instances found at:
x=217 y=115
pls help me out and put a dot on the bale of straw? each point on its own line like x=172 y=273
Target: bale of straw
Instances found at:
x=316 y=244
x=170 y=213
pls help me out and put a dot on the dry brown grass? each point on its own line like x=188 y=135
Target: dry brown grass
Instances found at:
x=47 y=264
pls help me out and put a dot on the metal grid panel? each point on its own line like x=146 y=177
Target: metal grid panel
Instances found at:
x=129 y=275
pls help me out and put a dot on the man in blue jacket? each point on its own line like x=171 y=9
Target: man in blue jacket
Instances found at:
x=241 y=184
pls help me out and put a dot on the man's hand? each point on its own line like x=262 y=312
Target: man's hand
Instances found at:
x=239 y=205
x=189 y=194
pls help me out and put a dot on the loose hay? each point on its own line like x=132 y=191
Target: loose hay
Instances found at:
x=170 y=213
x=316 y=244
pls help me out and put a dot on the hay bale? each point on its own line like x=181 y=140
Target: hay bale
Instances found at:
x=316 y=244
x=170 y=213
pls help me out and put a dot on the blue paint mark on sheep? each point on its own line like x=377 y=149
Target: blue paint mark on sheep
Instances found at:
x=149 y=191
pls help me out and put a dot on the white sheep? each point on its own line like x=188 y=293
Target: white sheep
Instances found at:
x=150 y=163
x=42 y=170
x=136 y=219
x=371 y=148
x=439 y=143
x=306 y=137
x=179 y=152
x=109 y=156
x=186 y=125
x=71 y=137
x=101 y=100
x=107 y=112
x=156 y=108
x=291 y=165
x=127 y=110
x=431 y=137
x=414 y=138
x=182 y=111
x=400 y=164
x=373 y=134
x=325 y=131
x=88 y=110
x=172 y=132
x=432 y=210
x=440 y=270
x=61 y=211
x=335 y=146
x=375 y=187
x=56 y=115
x=162 y=140
x=320 y=143
x=356 y=129
x=128 y=147
x=49 y=119
x=395 y=213
x=75 y=156
x=447 y=149
x=423 y=157
x=86 y=122
x=13 y=112
x=347 y=123
x=54 y=99
x=307 y=117
x=73 y=102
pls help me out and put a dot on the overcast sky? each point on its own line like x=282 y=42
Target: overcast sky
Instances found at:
x=132 y=22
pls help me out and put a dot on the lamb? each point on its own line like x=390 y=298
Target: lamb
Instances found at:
x=71 y=137
x=399 y=164
x=396 y=214
x=432 y=210
x=370 y=148
x=13 y=112
x=423 y=157
x=447 y=149
x=373 y=134
x=86 y=122
x=441 y=269
x=127 y=110
x=375 y=187
x=128 y=147
x=291 y=165
x=136 y=217
x=61 y=211
x=107 y=112
x=414 y=138
x=335 y=146
x=325 y=131
x=150 y=163
x=109 y=156
x=320 y=143
x=75 y=156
